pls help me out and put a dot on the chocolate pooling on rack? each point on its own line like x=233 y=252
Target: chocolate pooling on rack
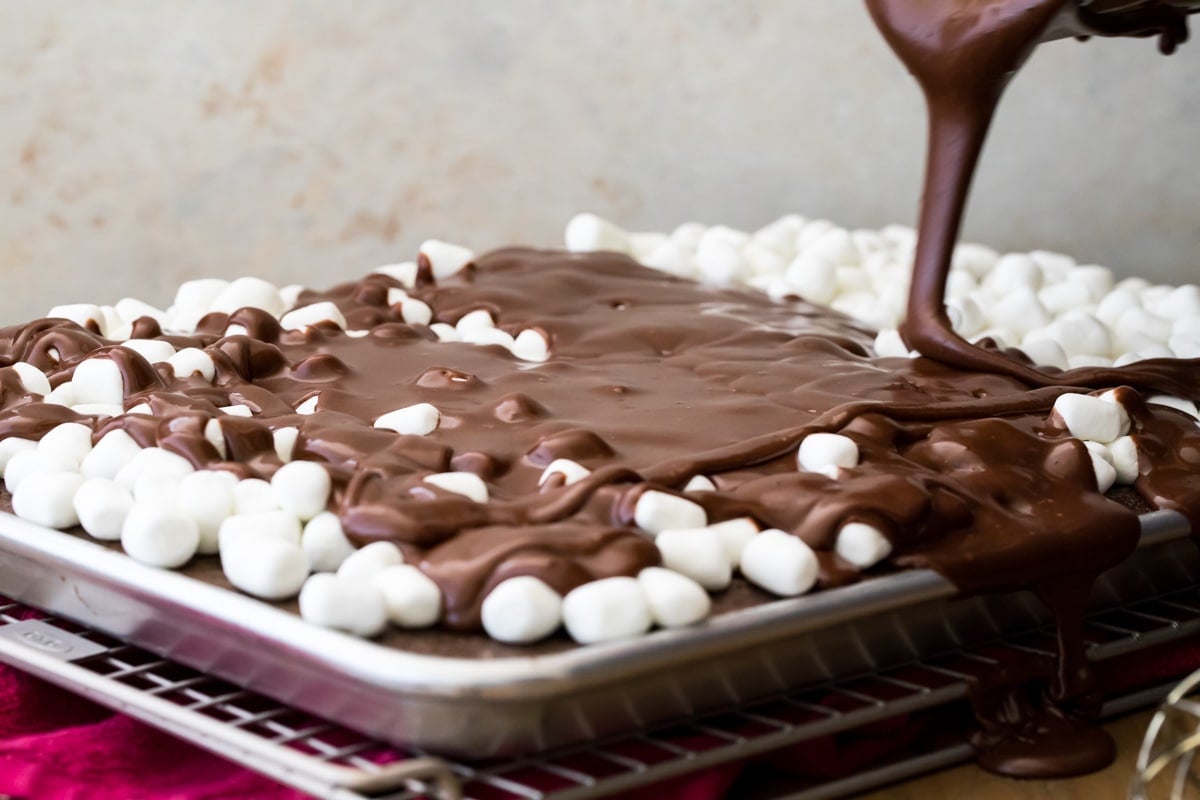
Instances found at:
x=963 y=55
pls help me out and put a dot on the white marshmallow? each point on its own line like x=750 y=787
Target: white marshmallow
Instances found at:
x=236 y=410
x=1136 y=327
x=415 y=312
x=206 y=497
x=1106 y=473
x=720 y=261
x=472 y=324
x=302 y=487
x=780 y=563
x=607 y=609
x=643 y=244
x=192 y=360
x=110 y=455
x=1090 y=418
x=1018 y=310
x=673 y=258
x=253 y=496
x=258 y=525
x=700 y=483
x=141 y=408
x=61 y=395
x=305 y=316
x=571 y=471
x=1114 y=304
x=193 y=299
x=888 y=344
x=264 y=566
x=587 y=233
x=159 y=536
x=488 y=336
x=216 y=436
x=26 y=462
x=79 y=313
x=699 y=553
x=1081 y=334
x=99 y=409
x=46 y=497
x=445 y=259
x=826 y=453
x=813 y=277
x=418 y=420
x=411 y=598
x=1185 y=345
x=102 y=506
x=1045 y=353
x=780 y=235
x=1111 y=397
x=974 y=259
x=468 y=484
x=10 y=447
x=309 y=405
x=395 y=296
x=404 y=273
x=862 y=545
x=325 y=543
x=1060 y=298
x=1011 y=272
x=285 y=442
x=32 y=378
x=330 y=602
x=249 y=292
x=445 y=332
x=114 y=327
x=521 y=610
x=152 y=459
x=365 y=563
x=1123 y=454
x=155 y=489
x=1182 y=301
x=675 y=600
x=735 y=534
x=131 y=309
x=657 y=511
x=69 y=442
x=1178 y=403
x=529 y=345
x=290 y=294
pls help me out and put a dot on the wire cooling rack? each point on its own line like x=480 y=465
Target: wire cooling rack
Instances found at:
x=331 y=761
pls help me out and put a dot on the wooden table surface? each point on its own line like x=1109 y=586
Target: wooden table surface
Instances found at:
x=973 y=783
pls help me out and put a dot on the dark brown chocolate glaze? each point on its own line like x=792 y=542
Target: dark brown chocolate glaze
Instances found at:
x=963 y=53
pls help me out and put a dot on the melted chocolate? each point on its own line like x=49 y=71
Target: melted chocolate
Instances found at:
x=963 y=53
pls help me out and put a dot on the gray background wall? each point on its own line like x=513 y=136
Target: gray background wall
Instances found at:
x=146 y=142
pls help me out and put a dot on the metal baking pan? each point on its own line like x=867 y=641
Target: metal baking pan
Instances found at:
x=508 y=704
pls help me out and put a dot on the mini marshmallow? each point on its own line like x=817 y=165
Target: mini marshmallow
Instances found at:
x=110 y=455
x=206 y=497
x=675 y=600
x=672 y=258
x=236 y=410
x=264 y=566
x=1060 y=298
x=642 y=245
x=302 y=487
x=1106 y=473
x=365 y=563
x=405 y=273
x=445 y=259
x=1019 y=311
x=813 y=277
x=102 y=506
x=131 y=309
x=193 y=299
x=69 y=442
x=395 y=296
x=571 y=471
x=1185 y=345
x=1011 y=272
x=25 y=463
x=46 y=497
x=303 y=317
x=1081 y=334
x=253 y=496
x=10 y=447
x=445 y=332
x=521 y=610
x=1123 y=455
x=1045 y=353
x=330 y=602
x=1090 y=418
x=473 y=323
x=191 y=361
x=236 y=330
x=79 y=313
x=468 y=484
x=114 y=327
x=862 y=545
x=657 y=511
x=249 y=292
x=411 y=598
x=529 y=345
x=1182 y=301
x=215 y=436
x=975 y=259
x=285 y=442
x=700 y=483
x=258 y=525
x=156 y=489
x=1178 y=403
x=1114 y=304
x=780 y=563
x=720 y=262
x=357 y=334
x=735 y=534
x=99 y=409
x=699 y=554
x=32 y=378
x=607 y=609
x=141 y=408
x=419 y=420
x=826 y=453
x=1111 y=397
x=159 y=536
x=489 y=336
x=588 y=233
x=888 y=344
x=153 y=459
x=309 y=405
x=415 y=312
x=325 y=543
x=290 y=294
x=61 y=395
